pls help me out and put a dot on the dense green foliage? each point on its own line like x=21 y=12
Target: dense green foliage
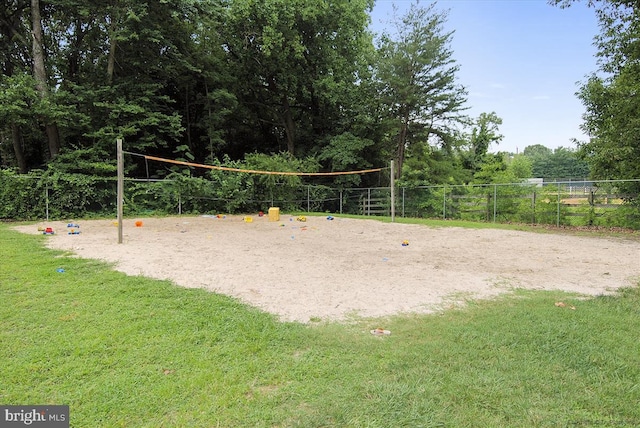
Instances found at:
x=61 y=192
x=69 y=195
x=560 y=163
x=237 y=82
x=213 y=81
x=612 y=118
x=202 y=79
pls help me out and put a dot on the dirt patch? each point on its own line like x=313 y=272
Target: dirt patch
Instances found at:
x=335 y=269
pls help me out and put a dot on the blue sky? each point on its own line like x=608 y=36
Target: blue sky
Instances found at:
x=522 y=59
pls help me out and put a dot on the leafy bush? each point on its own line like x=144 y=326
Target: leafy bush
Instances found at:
x=56 y=195
x=77 y=195
x=64 y=193
x=423 y=202
x=22 y=197
x=547 y=210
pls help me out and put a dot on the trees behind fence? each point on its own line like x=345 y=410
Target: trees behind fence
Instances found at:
x=568 y=203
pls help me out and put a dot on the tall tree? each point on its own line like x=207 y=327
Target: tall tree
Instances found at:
x=119 y=62
x=612 y=117
x=484 y=132
x=417 y=74
x=17 y=101
x=561 y=163
x=536 y=151
x=429 y=165
x=205 y=90
x=13 y=61
x=40 y=75
x=295 y=60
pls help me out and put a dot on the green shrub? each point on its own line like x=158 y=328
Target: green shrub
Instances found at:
x=22 y=197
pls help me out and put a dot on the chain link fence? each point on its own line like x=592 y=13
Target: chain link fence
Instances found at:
x=566 y=203
x=559 y=203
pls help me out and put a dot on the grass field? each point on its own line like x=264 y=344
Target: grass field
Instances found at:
x=127 y=351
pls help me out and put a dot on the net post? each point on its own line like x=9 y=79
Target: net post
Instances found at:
x=120 y=193
x=393 y=193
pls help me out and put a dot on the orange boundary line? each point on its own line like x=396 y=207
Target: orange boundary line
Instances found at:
x=253 y=171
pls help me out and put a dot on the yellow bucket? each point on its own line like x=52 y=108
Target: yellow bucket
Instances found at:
x=274 y=214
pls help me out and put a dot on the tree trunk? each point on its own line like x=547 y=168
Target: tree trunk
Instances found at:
x=289 y=126
x=16 y=139
x=40 y=74
x=187 y=116
x=10 y=31
x=111 y=60
x=209 y=130
x=402 y=142
x=74 y=54
x=54 y=139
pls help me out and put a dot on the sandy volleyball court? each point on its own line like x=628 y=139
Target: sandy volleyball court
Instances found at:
x=335 y=269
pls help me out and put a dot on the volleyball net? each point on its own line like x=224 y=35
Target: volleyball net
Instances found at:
x=254 y=171
x=237 y=190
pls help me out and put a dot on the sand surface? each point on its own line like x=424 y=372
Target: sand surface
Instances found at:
x=336 y=269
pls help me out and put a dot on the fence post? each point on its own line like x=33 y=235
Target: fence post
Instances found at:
x=341 y=201
x=179 y=204
x=46 y=201
x=486 y=210
x=495 y=202
x=558 y=209
x=444 y=202
x=369 y=201
x=308 y=198
x=403 y=189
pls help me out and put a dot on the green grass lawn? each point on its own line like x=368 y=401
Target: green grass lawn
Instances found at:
x=127 y=351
